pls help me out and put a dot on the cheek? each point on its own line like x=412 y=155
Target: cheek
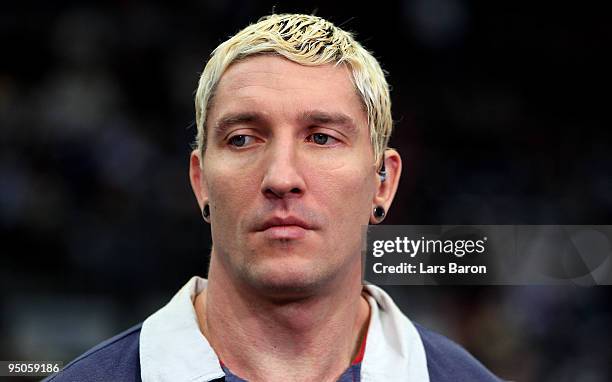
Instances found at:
x=346 y=197
x=231 y=193
x=347 y=193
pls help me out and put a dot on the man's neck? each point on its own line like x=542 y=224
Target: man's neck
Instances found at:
x=307 y=339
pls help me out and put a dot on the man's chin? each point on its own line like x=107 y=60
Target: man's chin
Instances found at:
x=283 y=282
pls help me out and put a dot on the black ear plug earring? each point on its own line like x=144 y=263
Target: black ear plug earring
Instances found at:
x=206 y=213
x=379 y=213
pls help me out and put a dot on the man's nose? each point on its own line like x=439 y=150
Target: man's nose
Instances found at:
x=283 y=177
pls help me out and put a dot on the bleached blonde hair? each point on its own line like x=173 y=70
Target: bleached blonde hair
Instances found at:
x=306 y=40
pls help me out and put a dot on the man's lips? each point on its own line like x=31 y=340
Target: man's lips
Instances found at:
x=283 y=222
x=290 y=227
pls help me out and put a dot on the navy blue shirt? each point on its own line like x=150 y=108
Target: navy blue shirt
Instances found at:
x=117 y=360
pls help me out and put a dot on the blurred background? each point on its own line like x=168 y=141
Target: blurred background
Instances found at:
x=503 y=117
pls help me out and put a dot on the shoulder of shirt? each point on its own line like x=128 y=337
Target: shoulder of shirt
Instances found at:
x=448 y=361
x=116 y=359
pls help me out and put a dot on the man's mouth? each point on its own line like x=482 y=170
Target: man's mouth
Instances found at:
x=289 y=228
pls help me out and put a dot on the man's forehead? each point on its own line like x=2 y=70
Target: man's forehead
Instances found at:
x=328 y=90
x=279 y=73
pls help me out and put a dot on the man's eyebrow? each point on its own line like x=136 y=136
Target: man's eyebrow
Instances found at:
x=329 y=118
x=232 y=119
x=311 y=117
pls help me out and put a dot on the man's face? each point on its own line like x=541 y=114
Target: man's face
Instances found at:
x=288 y=172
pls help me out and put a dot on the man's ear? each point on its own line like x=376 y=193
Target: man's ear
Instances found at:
x=385 y=191
x=196 y=176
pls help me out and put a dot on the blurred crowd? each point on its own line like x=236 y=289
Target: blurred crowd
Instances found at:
x=501 y=118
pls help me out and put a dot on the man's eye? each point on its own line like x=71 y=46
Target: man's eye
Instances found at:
x=321 y=139
x=240 y=140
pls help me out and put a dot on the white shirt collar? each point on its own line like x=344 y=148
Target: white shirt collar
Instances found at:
x=172 y=348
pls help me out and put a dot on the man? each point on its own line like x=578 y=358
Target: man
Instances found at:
x=291 y=162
